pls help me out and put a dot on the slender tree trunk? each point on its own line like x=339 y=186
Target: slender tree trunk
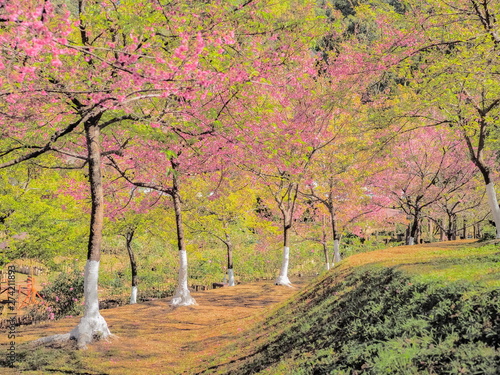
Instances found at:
x=413 y=229
x=336 y=251
x=454 y=228
x=449 y=230
x=431 y=230
x=325 y=251
x=92 y=325
x=327 y=257
x=493 y=202
x=283 y=276
x=477 y=159
x=442 y=236
x=336 y=240
x=286 y=204
x=182 y=296
x=230 y=270
x=133 y=266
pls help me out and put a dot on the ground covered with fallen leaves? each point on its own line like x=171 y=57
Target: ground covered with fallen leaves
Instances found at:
x=153 y=337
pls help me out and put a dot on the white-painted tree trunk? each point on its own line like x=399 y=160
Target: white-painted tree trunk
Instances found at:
x=283 y=277
x=493 y=202
x=230 y=273
x=336 y=251
x=411 y=241
x=182 y=296
x=325 y=251
x=133 y=295
x=92 y=325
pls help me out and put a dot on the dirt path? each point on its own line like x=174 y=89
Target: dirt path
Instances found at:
x=154 y=338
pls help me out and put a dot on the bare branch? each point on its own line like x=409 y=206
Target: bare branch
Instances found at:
x=123 y=174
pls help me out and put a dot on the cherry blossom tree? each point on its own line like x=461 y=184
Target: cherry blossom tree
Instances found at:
x=161 y=170
x=338 y=178
x=202 y=133
x=425 y=166
x=220 y=207
x=73 y=83
x=447 y=77
x=130 y=211
x=467 y=201
x=282 y=154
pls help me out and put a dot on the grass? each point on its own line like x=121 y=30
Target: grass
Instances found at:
x=426 y=309
x=454 y=260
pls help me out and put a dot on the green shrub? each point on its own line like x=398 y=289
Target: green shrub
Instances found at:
x=64 y=295
x=488 y=232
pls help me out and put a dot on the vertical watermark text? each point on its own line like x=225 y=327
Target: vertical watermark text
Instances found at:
x=12 y=315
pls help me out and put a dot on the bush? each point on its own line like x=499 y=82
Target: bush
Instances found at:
x=488 y=233
x=64 y=295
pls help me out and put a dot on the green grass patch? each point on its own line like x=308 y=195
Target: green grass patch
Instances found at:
x=480 y=265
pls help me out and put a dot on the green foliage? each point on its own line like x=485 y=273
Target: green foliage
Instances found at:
x=203 y=267
x=474 y=264
x=151 y=288
x=64 y=295
x=488 y=233
x=352 y=244
x=35 y=220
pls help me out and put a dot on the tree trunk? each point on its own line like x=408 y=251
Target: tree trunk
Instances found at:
x=92 y=325
x=413 y=229
x=182 y=296
x=325 y=251
x=133 y=267
x=283 y=276
x=454 y=228
x=477 y=159
x=336 y=239
x=230 y=271
x=336 y=251
x=430 y=228
x=493 y=202
x=327 y=257
x=442 y=236
x=450 y=229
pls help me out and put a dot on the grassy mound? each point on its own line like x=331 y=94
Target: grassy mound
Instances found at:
x=389 y=312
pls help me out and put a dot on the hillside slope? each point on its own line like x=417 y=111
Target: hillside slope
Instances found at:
x=428 y=309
